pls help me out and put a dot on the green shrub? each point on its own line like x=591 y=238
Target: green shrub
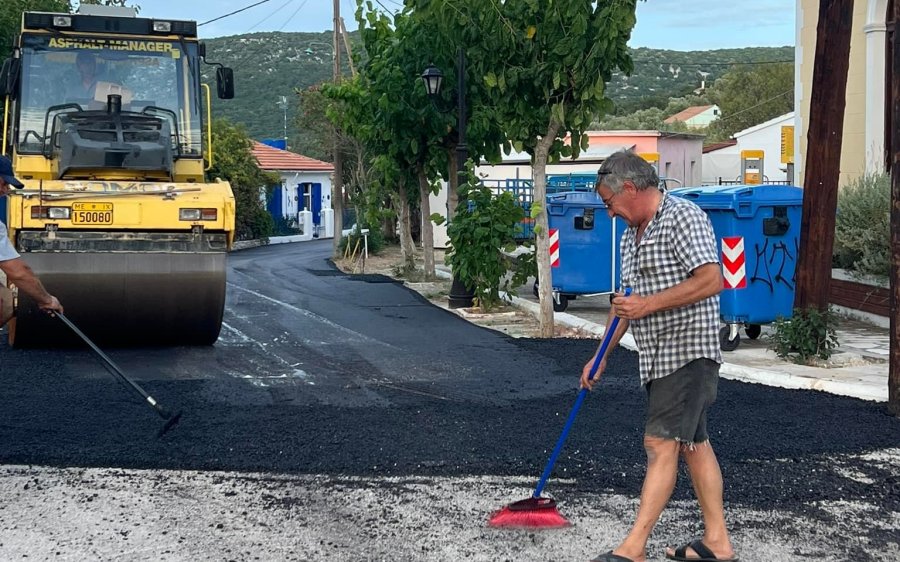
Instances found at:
x=284 y=226
x=376 y=240
x=810 y=333
x=862 y=226
x=483 y=228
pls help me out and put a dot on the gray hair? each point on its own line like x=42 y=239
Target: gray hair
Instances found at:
x=626 y=165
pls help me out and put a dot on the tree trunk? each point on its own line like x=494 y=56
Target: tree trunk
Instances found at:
x=894 y=348
x=407 y=247
x=427 y=226
x=453 y=184
x=541 y=236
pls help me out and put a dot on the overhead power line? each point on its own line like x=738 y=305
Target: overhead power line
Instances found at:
x=773 y=98
x=232 y=13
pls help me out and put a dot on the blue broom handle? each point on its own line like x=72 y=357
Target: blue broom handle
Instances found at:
x=607 y=337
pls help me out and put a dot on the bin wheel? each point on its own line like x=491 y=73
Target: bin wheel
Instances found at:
x=562 y=305
x=724 y=343
x=753 y=331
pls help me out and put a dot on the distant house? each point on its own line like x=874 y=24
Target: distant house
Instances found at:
x=305 y=186
x=678 y=156
x=695 y=117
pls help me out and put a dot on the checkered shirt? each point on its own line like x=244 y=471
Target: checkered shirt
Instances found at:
x=678 y=240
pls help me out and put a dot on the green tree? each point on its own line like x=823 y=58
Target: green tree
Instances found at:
x=233 y=161
x=750 y=95
x=11 y=17
x=544 y=66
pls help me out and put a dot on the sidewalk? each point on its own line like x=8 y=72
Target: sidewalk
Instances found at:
x=858 y=369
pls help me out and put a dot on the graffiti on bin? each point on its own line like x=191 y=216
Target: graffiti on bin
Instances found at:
x=776 y=258
x=779 y=255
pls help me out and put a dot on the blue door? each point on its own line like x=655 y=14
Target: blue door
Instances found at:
x=316 y=203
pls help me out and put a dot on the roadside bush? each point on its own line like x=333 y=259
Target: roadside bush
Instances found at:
x=483 y=229
x=284 y=226
x=862 y=226
x=376 y=240
x=810 y=333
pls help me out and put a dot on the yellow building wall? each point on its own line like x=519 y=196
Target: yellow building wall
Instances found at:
x=853 y=146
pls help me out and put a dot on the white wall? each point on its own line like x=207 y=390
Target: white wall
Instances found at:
x=767 y=139
x=289 y=182
x=726 y=162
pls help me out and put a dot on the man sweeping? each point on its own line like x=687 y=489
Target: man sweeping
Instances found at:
x=16 y=270
x=670 y=261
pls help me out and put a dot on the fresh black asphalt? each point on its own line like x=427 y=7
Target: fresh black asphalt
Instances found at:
x=320 y=372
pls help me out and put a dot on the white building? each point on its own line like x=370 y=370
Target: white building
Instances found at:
x=723 y=162
x=695 y=117
x=305 y=186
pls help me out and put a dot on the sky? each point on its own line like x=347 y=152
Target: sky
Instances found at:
x=681 y=25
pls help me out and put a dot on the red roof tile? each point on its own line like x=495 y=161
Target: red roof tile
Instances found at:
x=712 y=147
x=275 y=159
x=687 y=113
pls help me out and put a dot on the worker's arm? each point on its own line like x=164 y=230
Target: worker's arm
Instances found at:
x=704 y=282
x=586 y=381
x=20 y=274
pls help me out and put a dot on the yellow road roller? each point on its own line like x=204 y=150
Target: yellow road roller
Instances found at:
x=107 y=123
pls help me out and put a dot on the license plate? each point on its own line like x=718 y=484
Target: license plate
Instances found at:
x=92 y=213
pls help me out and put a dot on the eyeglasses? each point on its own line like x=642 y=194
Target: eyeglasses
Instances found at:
x=608 y=202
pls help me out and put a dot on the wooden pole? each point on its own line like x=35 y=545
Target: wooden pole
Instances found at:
x=823 y=153
x=347 y=46
x=337 y=191
x=894 y=369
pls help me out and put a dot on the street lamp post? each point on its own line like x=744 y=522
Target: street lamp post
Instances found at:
x=460 y=295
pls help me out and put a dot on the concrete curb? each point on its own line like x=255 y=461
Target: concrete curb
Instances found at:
x=256 y=243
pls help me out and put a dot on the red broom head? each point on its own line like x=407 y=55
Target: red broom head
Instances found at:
x=531 y=513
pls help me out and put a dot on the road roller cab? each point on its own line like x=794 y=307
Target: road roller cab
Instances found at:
x=108 y=125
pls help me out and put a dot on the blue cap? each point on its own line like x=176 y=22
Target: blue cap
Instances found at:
x=6 y=172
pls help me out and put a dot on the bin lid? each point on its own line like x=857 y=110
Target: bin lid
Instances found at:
x=744 y=200
x=575 y=199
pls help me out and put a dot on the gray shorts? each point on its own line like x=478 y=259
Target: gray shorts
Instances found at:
x=677 y=403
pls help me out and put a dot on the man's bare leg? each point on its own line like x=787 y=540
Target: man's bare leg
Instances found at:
x=707 y=478
x=659 y=483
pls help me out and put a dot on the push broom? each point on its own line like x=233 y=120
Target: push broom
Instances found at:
x=537 y=512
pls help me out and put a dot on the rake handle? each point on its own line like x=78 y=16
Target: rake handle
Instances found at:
x=114 y=369
x=601 y=352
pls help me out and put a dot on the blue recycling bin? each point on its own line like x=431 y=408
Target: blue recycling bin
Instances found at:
x=588 y=246
x=757 y=228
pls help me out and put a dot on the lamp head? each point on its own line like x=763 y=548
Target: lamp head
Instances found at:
x=432 y=78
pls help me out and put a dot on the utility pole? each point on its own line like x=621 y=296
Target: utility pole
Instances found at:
x=337 y=191
x=894 y=369
x=823 y=153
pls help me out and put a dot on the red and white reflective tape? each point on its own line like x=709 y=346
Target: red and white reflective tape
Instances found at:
x=554 y=247
x=733 y=262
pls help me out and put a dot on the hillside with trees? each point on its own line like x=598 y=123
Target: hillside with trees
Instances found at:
x=270 y=65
